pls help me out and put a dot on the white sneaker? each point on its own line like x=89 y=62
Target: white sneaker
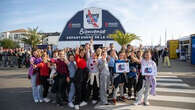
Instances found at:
x=36 y=101
x=71 y=105
x=76 y=107
x=40 y=101
x=137 y=103
x=94 y=101
x=146 y=103
x=83 y=103
x=46 y=100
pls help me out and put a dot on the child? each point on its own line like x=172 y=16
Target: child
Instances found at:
x=62 y=78
x=119 y=80
x=104 y=78
x=33 y=74
x=72 y=69
x=81 y=78
x=111 y=62
x=132 y=76
x=92 y=64
x=148 y=81
x=44 y=76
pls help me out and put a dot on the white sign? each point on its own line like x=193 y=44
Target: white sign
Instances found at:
x=122 y=67
x=148 y=70
x=92 y=18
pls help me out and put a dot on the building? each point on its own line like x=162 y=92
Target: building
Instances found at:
x=51 y=38
x=15 y=35
x=90 y=22
x=185 y=48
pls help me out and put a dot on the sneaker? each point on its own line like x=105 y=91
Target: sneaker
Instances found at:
x=76 y=107
x=40 y=101
x=107 y=103
x=123 y=99
x=114 y=101
x=94 y=101
x=137 y=103
x=71 y=105
x=36 y=101
x=60 y=105
x=129 y=98
x=46 y=100
x=146 y=103
x=83 y=103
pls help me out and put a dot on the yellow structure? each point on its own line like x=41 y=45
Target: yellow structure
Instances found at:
x=173 y=45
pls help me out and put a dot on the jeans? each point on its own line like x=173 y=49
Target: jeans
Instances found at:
x=71 y=92
x=93 y=88
x=132 y=84
x=36 y=89
x=120 y=86
x=144 y=90
x=61 y=89
x=44 y=85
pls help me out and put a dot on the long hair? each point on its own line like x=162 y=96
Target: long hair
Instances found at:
x=145 y=52
x=83 y=50
x=33 y=52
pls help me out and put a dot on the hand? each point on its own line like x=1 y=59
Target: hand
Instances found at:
x=91 y=41
x=68 y=79
x=34 y=66
x=77 y=51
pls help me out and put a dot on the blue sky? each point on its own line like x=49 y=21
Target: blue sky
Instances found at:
x=146 y=18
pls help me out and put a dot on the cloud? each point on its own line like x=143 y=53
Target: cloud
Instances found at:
x=150 y=18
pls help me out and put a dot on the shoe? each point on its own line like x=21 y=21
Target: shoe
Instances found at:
x=83 y=103
x=137 y=103
x=71 y=105
x=146 y=103
x=36 y=101
x=94 y=101
x=40 y=101
x=123 y=99
x=129 y=98
x=60 y=105
x=76 y=107
x=114 y=101
x=107 y=103
x=46 y=100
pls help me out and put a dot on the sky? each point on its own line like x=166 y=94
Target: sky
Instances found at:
x=146 y=18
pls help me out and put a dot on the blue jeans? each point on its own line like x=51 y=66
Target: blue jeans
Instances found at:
x=71 y=92
x=36 y=90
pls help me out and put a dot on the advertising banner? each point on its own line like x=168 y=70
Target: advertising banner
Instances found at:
x=90 y=22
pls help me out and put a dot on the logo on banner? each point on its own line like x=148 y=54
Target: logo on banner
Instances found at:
x=93 y=18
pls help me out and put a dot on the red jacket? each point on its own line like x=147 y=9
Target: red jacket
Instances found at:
x=44 y=69
x=81 y=62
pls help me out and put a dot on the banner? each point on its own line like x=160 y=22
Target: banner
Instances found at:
x=148 y=70
x=90 y=22
x=122 y=67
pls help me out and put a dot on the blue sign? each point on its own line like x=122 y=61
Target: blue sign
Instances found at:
x=92 y=22
x=193 y=50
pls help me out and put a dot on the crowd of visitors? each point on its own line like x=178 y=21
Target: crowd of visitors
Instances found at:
x=82 y=74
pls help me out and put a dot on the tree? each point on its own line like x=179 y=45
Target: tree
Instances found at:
x=32 y=37
x=123 y=38
x=8 y=43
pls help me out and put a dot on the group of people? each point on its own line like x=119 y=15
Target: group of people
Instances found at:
x=17 y=57
x=78 y=75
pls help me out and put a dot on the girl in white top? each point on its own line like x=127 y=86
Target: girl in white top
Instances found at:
x=149 y=71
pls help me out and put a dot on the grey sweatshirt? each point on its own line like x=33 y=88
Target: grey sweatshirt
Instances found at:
x=103 y=67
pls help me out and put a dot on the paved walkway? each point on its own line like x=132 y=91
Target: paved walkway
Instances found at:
x=175 y=91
